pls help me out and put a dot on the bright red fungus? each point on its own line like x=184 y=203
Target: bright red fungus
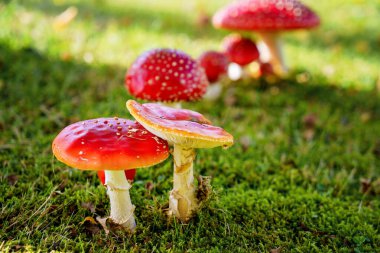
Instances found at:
x=214 y=63
x=266 y=15
x=108 y=144
x=166 y=75
x=240 y=50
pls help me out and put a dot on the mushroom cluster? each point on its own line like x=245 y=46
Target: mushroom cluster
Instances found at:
x=269 y=19
x=238 y=52
x=115 y=147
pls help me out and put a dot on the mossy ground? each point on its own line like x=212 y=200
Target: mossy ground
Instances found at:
x=303 y=175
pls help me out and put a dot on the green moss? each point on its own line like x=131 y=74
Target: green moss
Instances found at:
x=282 y=185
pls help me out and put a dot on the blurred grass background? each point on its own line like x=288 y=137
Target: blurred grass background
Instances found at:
x=303 y=176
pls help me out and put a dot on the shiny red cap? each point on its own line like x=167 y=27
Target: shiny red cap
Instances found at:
x=166 y=75
x=240 y=50
x=108 y=144
x=214 y=63
x=265 y=15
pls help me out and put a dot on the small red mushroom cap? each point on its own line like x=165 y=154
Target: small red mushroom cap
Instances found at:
x=129 y=174
x=214 y=63
x=240 y=50
x=265 y=15
x=108 y=144
x=166 y=75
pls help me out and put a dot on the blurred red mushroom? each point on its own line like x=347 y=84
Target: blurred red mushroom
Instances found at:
x=215 y=65
x=268 y=18
x=241 y=52
x=166 y=75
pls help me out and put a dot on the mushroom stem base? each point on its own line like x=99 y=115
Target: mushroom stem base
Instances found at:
x=121 y=205
x=273 y=43
x=182 y=199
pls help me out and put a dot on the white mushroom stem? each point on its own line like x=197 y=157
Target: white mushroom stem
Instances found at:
x=182 y=199
x=273 y=42
x=235 y=71
x=213 y=91
x=121 y=205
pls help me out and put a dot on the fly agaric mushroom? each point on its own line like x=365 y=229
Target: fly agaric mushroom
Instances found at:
x=166 y=75
x=113 y=145
x=215 y=65
x=268 y=18
x=241 y=52
x=186 y=130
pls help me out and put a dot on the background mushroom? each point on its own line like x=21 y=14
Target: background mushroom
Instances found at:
x=186 y=130
x=268 y=18
x=166 y=75
x=113 y=145
x=240 y=51
x=215 y=65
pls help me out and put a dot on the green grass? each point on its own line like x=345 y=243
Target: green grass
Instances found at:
x=282 y=185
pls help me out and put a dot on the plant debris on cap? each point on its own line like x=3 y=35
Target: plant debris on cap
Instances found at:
x=265 y=15
x=179 y=126
x=108 y=143
x=166 y=75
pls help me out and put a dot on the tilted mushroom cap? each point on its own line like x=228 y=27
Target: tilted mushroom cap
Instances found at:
x=166 y=75
x=265 y=15
x=108 y=143
x=179 y=126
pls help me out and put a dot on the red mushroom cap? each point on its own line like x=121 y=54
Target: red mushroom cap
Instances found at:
x=129 y=174
x=166 y=75
x=108 y=143
x=266 y=15
x=214 y=63
x=240 y=50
